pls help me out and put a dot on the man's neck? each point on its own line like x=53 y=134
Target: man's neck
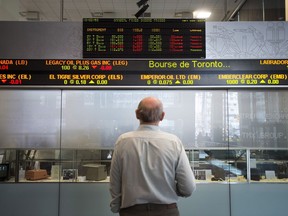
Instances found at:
x=150 y=123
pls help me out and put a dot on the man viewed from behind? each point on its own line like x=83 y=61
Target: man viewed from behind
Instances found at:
x=149 y=169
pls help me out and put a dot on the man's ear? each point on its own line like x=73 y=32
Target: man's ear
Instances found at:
x=137 y=113
x=162 y=116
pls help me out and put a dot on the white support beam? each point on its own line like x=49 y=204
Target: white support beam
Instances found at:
x=286 y=10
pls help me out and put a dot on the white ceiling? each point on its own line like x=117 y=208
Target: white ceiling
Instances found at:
x=75 y=10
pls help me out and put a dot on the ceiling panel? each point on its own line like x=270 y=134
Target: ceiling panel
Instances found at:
x=74 y=10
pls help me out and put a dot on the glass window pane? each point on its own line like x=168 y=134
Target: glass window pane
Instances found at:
x=269 y=165
x=259 y=119
x=94 y=119
x=219 y=165
x=30 y=119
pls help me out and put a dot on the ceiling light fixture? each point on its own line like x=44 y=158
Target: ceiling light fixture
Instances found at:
x=142 y=2
x=30 y=15
x=201 y=14
x=144 y=7
x=97 y=14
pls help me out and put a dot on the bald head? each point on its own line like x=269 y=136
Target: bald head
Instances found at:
x=150 y=111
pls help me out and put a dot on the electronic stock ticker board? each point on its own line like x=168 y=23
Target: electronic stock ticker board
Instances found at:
x=143 y=38
x=109 y=73
x=143 y=53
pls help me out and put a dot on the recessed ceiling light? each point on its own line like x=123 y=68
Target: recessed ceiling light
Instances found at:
x=96 y=14
x=201 y=14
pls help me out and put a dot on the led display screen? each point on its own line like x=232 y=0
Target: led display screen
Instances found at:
x=143 y=38
x=143 y=73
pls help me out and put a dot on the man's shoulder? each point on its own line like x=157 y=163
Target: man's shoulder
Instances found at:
x=168 y=135
x=157 y=134
x=126 y=135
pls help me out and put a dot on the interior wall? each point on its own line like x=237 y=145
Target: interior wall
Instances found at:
x=224 y=40
x=30 y=40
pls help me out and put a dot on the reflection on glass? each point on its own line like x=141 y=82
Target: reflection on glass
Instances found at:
x=30 y=165
x=94 y=119
x=211 y=119
x=228 y=135
x=258 y=119
x=219 y=165
x=269 y=165
x=30 y=119
x=85 y=165
x=35 y=165
x=7 y=164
